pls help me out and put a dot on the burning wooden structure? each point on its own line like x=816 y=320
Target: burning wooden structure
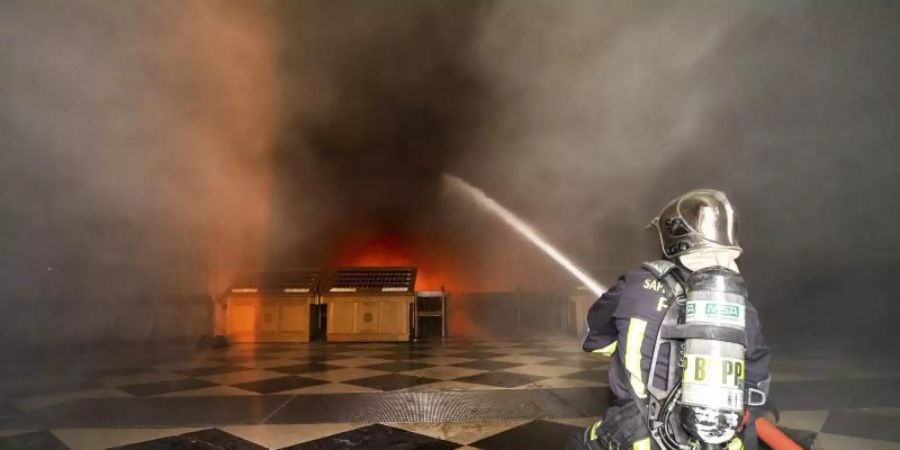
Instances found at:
x=272 y=307
x=366 y=304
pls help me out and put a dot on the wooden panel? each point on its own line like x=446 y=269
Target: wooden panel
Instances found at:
x=271 y=319
x=242 y=315
x=342 y=318
x=294 y=318
x=368 y=318
x=394 y=317
x=268 y=319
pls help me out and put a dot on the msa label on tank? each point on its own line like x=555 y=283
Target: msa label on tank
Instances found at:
x=714 y=382
x=701 y=311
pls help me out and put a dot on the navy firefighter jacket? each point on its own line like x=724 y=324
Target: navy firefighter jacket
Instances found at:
x=624 y=324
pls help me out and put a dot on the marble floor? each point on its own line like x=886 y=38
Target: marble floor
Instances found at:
x=453 y=394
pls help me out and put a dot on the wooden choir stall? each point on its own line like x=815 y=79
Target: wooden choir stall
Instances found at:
x=272 y=307
x=369 y=304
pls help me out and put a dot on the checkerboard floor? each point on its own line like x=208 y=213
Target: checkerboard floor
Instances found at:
x=454 y=394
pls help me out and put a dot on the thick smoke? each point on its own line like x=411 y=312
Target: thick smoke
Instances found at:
x=136 y=141
x=608 y=111
x=152 y=149
x=397 y=99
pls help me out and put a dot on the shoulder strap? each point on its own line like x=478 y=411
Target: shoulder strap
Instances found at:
x=666 y=271
x=660 y=267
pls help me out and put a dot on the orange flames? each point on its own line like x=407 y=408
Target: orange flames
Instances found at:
x=432 y=259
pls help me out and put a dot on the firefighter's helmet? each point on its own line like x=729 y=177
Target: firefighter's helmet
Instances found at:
x=702 y=219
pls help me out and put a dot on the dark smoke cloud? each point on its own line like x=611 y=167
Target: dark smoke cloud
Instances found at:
x=223 y=135
x=608 y=111
x=135 y=161
x=397 y=102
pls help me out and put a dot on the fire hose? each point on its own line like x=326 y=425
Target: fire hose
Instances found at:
x=767 y=432
x=773 y=437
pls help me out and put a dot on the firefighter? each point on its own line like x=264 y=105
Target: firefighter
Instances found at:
x=696 y=231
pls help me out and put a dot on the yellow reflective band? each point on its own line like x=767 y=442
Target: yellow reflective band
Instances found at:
x=594 y=427
x=636 y=328
x=608 y=350
x=643 y=444
x=736 y=444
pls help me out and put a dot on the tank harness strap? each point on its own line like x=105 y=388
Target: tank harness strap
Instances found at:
x=659 y=268
x=666 y=272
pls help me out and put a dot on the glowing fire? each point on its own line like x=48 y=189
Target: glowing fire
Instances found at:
x=387 y=249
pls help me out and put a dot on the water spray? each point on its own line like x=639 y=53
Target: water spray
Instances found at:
x=525 y=230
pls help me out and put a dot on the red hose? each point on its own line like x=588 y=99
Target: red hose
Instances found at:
x=771 y=435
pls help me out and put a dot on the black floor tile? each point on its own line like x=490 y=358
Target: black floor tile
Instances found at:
x=214 y=370
x=835 y=394
x=166 y=443
x=221 y=440
x=280 y=349
x=554 y=354
x=805 y=439
x=475 y=355
x=306 y=367
x=7 y=409
x=589 y=375
x=165 y=387
x=589 y=402
x=52 y=387
x=275 y=385
x=209 y=439
x=332 y=347
x=313 y=350
x=399 y=366
x=864 y=425
x=401 y=355
x=116 y=371
x=538 y=345
x=322 y=358
x=425 y=345
x=391 y=382
x=238 y=359
x=460 y=345
x=339 y=348
x=500 y=379
x=151 y=412
x=376 y=437
x=585 y=364
x=536 y=435
x=485 y=365
x=155 y=360
x=38 y=440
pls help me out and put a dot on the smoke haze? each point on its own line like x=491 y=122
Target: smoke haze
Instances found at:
x=152 y=149
x=136 y=145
